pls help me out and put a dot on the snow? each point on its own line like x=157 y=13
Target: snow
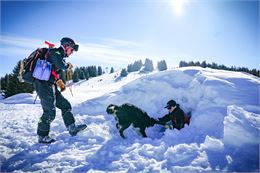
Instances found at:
x=223 y=134
x=24 y=98
x=236 y=122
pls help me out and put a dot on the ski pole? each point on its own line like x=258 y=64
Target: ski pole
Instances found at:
x=71 y=90
x=70 y=78
x=35 y=99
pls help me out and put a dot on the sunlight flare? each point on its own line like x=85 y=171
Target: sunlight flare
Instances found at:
x=178 y=7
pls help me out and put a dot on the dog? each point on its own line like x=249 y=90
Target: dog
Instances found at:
x=128 y=114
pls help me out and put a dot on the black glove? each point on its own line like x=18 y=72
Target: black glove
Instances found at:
x=168 y=126
x=159 y=122
x=154 y=121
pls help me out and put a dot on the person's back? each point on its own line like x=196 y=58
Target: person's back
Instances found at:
x=178 y=119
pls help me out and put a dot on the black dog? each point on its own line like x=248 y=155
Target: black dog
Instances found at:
x=128 y=114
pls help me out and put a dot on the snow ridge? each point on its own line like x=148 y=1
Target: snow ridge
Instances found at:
x=223 y=134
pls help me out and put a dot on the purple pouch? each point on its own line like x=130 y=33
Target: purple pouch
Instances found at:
x=42 y=70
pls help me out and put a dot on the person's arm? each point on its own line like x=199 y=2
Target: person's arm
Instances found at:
x=56 y=58
x=154 y=121
x=164 y=119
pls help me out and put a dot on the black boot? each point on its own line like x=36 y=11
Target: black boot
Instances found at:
x=74 y=129
x=46 y=139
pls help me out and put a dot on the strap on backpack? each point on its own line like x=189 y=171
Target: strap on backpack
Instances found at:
x=50 y=45
x=35 y=57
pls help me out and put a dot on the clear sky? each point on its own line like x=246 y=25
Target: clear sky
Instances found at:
x=116 y=33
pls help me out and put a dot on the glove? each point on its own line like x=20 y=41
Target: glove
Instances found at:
x=70 y=66
x=167 y=126
x=158 y=122
x=61 y=85
x=154 y=121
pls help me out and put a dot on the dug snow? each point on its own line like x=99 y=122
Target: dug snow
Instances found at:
x=223 y=134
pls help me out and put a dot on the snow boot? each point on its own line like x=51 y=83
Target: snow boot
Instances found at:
x=74 y=129
x=46 y=139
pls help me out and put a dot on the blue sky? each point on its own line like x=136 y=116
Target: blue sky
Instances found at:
x=116 y=33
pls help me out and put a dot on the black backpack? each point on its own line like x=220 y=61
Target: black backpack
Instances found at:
x=28 y=64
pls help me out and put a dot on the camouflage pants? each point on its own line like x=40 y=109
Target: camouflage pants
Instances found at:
x=50 y=98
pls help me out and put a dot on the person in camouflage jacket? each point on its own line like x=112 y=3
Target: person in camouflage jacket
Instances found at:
x=176 y=116
x=51 y=97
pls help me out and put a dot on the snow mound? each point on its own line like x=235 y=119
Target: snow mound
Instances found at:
x=223 y=134
x=246 y=124
x=23 y=98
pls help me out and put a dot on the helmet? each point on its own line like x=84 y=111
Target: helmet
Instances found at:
x=170 y=103
x=68 y=41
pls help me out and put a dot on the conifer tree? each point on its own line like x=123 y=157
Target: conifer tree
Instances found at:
x=148 y=65
x=197 y=63
x=14 y=86
x=112 y=70
x=123 y=73
x=81 y=74
x=137 y=65
x=4 y=81
x=99 y=71
x=162 y=65
x=129 y=68
x=203 y=64
x=86 y=73
x=95 y=71
x=90 y=71
x=223 y=67
x=75 y=76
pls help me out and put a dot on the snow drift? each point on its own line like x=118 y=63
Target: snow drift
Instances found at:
x=223 y=134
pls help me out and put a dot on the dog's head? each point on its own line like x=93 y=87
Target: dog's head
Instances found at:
x=111 y=109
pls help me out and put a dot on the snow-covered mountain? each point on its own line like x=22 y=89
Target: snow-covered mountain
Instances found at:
x=223 y=134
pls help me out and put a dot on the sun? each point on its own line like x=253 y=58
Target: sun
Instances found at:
x=178 y=7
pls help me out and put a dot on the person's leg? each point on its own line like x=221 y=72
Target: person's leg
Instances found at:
x=45 y=92
x=68 y=118
x=65 y=107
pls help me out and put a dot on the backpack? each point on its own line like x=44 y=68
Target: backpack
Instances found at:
x=37 y=59
x=28 y=64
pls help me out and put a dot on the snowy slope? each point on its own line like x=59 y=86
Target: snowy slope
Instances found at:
x=223 y=134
